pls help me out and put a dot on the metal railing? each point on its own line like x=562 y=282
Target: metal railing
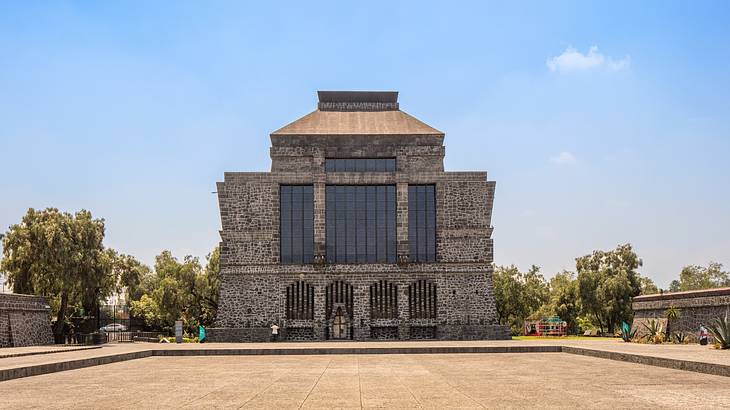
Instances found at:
x=113 y=337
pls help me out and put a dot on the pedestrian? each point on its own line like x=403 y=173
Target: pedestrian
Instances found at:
x=274 y=332
x=201 y=334
x=703 y=335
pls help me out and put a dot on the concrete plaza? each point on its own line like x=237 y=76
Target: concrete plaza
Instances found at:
x=355 y=381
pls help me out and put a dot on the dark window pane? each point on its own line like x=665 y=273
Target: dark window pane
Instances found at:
x=360 y=165
x=296 y=221
x=422 y=223
x=363 y=224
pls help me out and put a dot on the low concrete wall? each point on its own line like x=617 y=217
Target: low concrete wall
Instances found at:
x=695 y=307
x=442 y=332
x=24 y=321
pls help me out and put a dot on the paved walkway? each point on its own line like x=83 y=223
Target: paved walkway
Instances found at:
x=541 y=380
x=697 y=353
x=687 y=357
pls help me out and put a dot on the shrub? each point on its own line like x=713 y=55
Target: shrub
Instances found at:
x=655 y=332
x=720 y=330
x=184 y=340
x=681 y=337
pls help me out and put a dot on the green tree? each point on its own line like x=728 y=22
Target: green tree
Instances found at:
x=607 y=282
x=208 y=288
x=180 y=290
x=694 y=277
x=518 y=295
x=60 y=256
x=647 y=286
x=129 y=274
x=564 y=299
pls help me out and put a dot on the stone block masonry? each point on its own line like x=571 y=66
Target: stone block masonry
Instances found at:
x=695 y=307
x=448 y=296
x=24 y=321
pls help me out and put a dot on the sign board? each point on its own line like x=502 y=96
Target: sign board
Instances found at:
x=178 y=331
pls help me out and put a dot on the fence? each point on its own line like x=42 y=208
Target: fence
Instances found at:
x=113 y=337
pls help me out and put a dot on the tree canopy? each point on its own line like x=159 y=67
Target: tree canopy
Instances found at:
x=648 y=287
x=61 y=256
x=180 y=290
x=695 y=277
x=518 y=295
x=599 y=295
x=607 y=282
x=563 y=300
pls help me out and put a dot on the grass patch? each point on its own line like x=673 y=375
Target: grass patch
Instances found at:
x=562 y=338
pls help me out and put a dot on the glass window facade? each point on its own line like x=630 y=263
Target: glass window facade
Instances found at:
x=422 y=223
x=360 y=223
x=359 y=164
x=297 y=223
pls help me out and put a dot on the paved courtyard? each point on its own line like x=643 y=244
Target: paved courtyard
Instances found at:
x=355 y=381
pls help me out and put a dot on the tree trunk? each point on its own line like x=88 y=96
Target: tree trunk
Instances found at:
x=60 y=318
x=669 y=334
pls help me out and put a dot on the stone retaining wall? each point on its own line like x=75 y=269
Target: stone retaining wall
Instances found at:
x=695 y=307
x=24 y=321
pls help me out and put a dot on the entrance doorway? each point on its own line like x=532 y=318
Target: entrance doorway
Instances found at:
x=339 y=325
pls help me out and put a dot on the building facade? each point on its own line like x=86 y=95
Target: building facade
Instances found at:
x=357 y=233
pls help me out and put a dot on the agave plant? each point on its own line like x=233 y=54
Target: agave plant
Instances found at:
x=626 y=333
x=680 y=337
x=720 y=330
x=655 y=331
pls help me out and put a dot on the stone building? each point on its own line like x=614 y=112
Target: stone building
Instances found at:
x=25 y=320
x=356 y=233
x=696 y=307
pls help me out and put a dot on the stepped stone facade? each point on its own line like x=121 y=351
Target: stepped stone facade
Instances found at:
x=356 y=233
x=696 y=307
x=24 y=321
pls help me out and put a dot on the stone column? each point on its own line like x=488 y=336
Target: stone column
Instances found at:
x=361 y=316
x=320 y=321
x=319 y=218
x=319 y=178
x=404 y=328
x=402 y=216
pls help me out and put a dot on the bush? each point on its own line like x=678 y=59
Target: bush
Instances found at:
x=720 y=330
x=655 y=332
x=184 y=340
x=680 y=337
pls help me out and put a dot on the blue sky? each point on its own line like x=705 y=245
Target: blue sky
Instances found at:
x=601 y=123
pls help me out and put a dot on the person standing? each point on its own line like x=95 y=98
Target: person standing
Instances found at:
x=274 y=332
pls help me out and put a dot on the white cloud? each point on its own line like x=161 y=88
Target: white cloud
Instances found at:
x=563 y=158
x=573 y=60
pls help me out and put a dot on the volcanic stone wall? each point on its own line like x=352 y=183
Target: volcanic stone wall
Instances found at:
x=695 y=307
x=254 y=283
x=24 y=321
